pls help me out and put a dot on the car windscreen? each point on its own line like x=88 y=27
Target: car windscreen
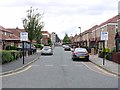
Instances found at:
x=80 y=50
x=46 y=47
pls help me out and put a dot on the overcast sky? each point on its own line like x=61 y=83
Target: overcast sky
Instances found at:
x=60 y=16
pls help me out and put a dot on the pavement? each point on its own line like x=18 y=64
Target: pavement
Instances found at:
x=18 y=65
x=109 y=66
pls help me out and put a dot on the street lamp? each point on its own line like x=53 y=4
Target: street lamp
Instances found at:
x=80 y=36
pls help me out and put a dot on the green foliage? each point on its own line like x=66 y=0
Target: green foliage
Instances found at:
x=9 y=55
x=38 y=46
x=11 y=47
x=49 y=42
x=33 y=25
x=107 y=50
x=66 y=39
x=38 y=33
x=0 y=57
x=113 y=49
x=16 y=54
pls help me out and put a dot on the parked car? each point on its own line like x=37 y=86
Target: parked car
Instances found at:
x=63 y=46
x=26 y=47
x=81 y=54
x=47 y=50
x=67 y=48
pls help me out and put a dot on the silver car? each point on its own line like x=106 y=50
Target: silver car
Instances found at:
x=67 y=48
x=80 y=53
x=47 y=50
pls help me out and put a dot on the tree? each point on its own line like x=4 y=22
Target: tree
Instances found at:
x=49 y=42
x=66 y=39
x=38 y=33
x=33 y=25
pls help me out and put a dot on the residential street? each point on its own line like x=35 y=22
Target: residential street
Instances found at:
x=59 y=71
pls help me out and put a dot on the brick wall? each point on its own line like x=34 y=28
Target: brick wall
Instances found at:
x=111 y=36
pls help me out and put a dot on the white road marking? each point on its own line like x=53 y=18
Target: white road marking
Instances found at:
x=99 y=69
x=17 y=72
x=49 y=65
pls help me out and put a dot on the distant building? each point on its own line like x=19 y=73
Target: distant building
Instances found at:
x=53 y=37
x=45 y=36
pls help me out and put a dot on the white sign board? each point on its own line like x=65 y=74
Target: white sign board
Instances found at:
x=24 y=36
x=104 y=35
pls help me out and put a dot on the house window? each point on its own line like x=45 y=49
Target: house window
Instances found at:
x=5 y=33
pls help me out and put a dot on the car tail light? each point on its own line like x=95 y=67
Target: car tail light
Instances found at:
x=87 y=53
x=75 y=52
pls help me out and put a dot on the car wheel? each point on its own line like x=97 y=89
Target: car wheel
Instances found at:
x=51 y=53
x=73 y=59
x=87 y=59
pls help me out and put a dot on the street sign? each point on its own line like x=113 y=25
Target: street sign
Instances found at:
x=24 y=36
x=104 y=35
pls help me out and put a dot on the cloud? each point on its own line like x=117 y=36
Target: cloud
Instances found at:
x=61 y=16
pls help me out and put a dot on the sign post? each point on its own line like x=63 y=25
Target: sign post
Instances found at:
x=23 y=38
x=104 y=37
x=23 y=51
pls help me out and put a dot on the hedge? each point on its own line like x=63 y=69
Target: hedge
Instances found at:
x=108 y=53
x=39 y=46
x=10 y=47
x=9 y=55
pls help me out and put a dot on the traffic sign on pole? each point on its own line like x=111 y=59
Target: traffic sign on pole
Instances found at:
x=24 y=36
x=104 y=35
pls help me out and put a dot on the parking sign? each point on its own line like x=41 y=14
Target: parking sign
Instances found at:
x=24 y=36
x=104 y=35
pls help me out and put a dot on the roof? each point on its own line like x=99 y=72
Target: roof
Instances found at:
x=111 y=20
x=45 y=32
x=11 y=37
x=4 y=30
x=93 y=28
x=16 y=31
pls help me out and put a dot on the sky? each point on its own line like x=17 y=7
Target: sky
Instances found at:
x=60 y=16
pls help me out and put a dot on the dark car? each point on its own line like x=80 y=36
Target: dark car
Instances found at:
x=81 y=54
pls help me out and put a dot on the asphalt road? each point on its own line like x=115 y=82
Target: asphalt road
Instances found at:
x=59 y=71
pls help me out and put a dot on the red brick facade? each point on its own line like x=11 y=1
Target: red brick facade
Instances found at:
x=92 y=36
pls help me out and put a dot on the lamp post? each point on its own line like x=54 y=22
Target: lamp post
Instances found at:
x=80 y=35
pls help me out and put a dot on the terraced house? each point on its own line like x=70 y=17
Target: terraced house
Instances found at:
x=7 y=38
x=92 y=37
